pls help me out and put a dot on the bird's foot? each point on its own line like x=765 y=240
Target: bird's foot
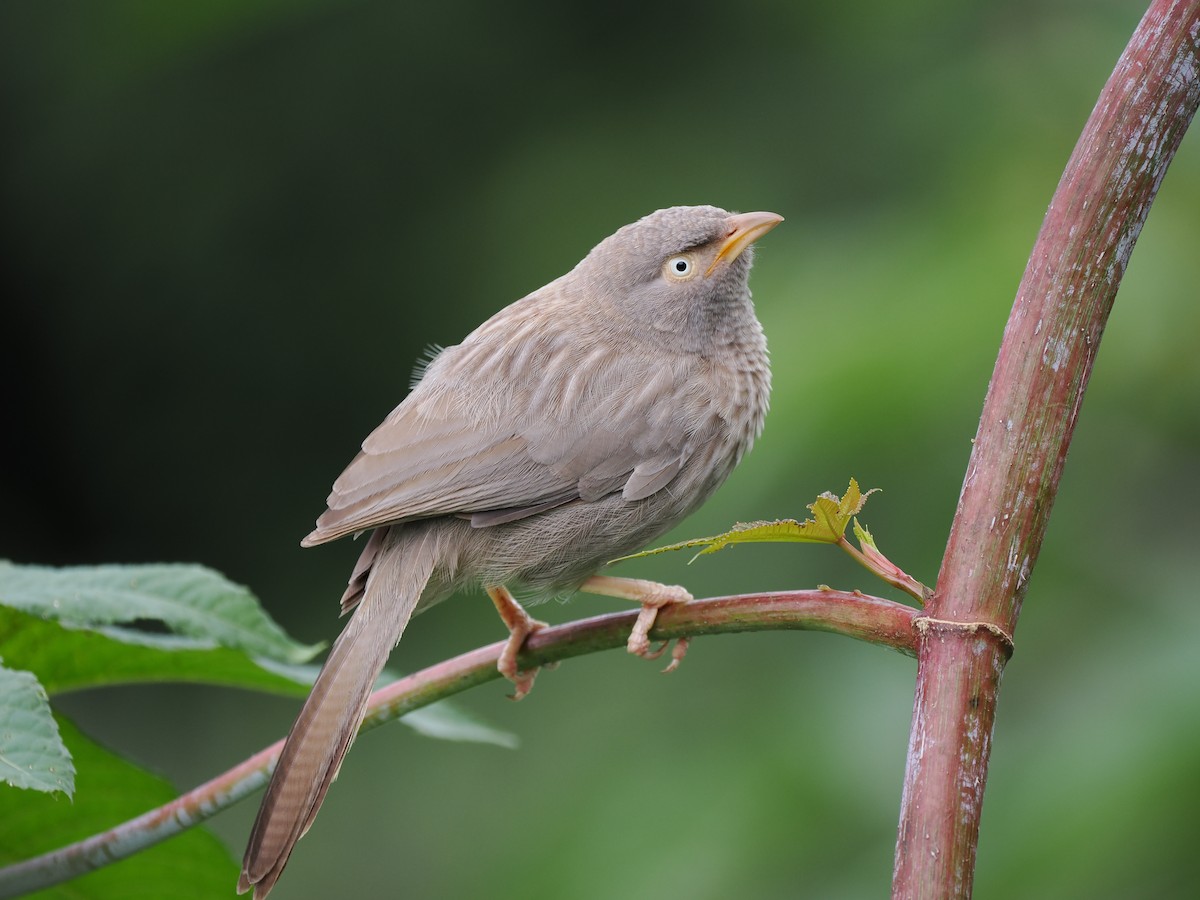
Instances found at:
x=652 y=596
x=520 y=625
x=677 y=654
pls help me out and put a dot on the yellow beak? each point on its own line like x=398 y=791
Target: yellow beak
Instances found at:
x=744 y=230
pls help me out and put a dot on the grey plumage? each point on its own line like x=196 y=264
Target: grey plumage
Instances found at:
x=572 y=427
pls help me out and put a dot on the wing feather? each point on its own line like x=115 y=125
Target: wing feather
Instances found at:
x=472 y=440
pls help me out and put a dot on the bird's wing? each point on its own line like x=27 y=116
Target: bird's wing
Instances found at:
x=491 y=439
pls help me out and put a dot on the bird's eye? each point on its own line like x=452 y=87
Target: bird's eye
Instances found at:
x=679 y=266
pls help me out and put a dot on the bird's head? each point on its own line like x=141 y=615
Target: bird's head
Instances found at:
x=686 y=267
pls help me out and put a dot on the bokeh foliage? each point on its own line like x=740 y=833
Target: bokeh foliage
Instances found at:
x=230 y=229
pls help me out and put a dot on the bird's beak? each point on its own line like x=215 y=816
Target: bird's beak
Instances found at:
x=744 y=230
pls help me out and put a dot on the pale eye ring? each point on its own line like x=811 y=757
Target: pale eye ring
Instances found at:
x=679 y=266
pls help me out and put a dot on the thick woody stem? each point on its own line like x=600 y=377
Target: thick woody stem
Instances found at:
x=1028 y=417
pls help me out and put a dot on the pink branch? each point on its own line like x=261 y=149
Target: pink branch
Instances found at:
x=1024 y=432
x=852 y=614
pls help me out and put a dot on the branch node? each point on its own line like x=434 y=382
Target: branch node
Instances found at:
x=927 y=624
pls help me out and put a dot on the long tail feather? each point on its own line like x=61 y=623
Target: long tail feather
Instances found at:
x=329 y=720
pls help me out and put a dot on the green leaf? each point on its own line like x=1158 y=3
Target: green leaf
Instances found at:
x=447 y=722
x=864 y=537
x=68 y=638
x=830 y=516
x=835 y=513
x=32 y=755
x=110 y=791
x=66 y=659
x=190 y=600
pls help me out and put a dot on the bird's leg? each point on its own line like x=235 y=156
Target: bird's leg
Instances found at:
x=653 y=597
x=520 y=625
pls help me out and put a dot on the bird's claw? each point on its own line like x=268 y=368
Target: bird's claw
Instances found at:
x=522 y=683
x=677 y=654
x=656 y=652
x=520 y=625
x=507 y=663
x=639 y=636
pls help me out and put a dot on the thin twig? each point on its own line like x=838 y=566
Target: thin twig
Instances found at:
x=856 y=615
x=875 y=562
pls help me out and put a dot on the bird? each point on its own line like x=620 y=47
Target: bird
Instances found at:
x=574 y=426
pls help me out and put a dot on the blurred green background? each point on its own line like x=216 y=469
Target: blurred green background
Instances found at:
x=230 y=229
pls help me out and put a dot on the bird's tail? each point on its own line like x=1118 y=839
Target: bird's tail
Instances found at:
x=327 y=723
